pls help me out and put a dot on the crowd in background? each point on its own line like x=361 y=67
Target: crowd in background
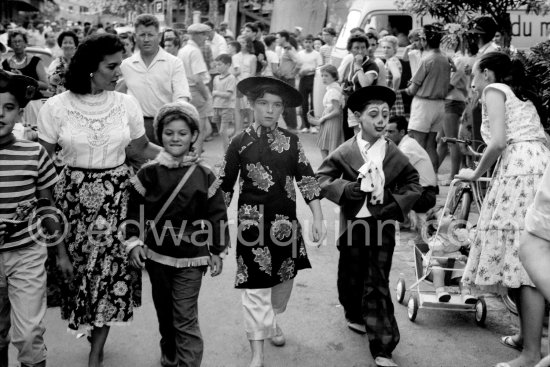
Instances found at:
x=469 y=90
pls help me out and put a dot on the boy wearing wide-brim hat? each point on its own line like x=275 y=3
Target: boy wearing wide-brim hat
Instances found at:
x=375 y=185
x=28 y=174
x=270 y=248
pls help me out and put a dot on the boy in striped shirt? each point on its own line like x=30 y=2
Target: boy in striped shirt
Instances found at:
x=27 y=176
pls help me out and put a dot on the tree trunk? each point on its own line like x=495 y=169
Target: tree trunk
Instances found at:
x=188 y=13
x=213 y=6
x=505 y=27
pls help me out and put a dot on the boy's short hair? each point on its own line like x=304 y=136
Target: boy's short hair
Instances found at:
x=224 y=58
x=176 y=111
x=147 y=20
x=21 y=87
x=309 y=37
x=251 y=26
x=268 y=40
x=401 y=122
x=434 y=34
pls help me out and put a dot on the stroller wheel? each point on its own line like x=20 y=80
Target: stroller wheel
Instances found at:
x=400 y=290
x=481 y=311
x=412 y=306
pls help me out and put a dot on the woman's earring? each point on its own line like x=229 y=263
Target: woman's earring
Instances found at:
x=91 y=75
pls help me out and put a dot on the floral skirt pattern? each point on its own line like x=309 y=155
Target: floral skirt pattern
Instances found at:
x=494 y=264
x=105 y=288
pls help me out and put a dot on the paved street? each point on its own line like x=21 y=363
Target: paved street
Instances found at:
x=314 y=323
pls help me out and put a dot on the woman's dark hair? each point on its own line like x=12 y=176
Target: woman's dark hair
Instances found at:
x=359 y=38
x=62 y=36
x=268 y=40
x=128 y=36
x=236 y=45
x=176 y=41
x=318 y=39
x=293 y=42
x=164 y=38
x=172 y=116
x=87 y=58
x=331 y=70
x=512 y=73
x=15 y=33
x=249 y=46
x=284 y=34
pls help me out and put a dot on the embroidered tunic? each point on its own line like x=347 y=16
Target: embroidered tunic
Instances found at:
x=270 y=247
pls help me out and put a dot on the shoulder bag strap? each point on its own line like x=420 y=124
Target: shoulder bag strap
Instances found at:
x=174 y=193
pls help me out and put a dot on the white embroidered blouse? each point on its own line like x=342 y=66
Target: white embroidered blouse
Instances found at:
x=93 y=131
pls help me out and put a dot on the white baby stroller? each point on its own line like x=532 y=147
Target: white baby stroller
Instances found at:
x=426 y=261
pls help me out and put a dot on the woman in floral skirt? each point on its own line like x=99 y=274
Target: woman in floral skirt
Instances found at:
x=93 y=124
x=515 y=139
x=270 y=247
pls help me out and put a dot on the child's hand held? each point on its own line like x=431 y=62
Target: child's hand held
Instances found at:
x=65 y=266
x=215 y=263
x=137 y=257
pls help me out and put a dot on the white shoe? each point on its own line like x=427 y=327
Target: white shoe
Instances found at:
x=305 y=130
x=385 y=362
x=358 y=328
x=314 y=130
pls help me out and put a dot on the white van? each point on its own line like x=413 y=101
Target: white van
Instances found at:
x=527 y=29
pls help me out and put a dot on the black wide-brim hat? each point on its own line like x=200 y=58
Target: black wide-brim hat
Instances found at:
x=22 y=87
x=250 y=86
x=361 y=97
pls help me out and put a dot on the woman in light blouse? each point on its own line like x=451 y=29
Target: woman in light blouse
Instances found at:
x=93 y=125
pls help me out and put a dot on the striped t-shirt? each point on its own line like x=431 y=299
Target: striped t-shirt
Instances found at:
x=25 y=168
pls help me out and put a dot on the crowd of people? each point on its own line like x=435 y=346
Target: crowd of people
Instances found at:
x=108 y=139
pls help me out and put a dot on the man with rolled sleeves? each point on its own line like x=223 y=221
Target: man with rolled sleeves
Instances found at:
x=152 y=75
x=198 y=79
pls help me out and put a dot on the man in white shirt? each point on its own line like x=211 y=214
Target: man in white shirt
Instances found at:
x=218 y=44
x=419 y=158
x=152 y=75
x=272 y=67
x=198 y=78
x=309 y=60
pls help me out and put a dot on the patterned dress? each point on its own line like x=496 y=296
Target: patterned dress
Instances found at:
x=494 y=263
x=92 y=193
x=270 y=247
x=331 y=134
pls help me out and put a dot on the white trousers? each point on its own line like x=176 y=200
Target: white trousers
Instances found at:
x=260 y=307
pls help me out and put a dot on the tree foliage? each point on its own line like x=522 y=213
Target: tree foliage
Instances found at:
x=537 y=68
x=461 y=11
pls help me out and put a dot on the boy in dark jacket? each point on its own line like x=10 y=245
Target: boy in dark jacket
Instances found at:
x=375 y=185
